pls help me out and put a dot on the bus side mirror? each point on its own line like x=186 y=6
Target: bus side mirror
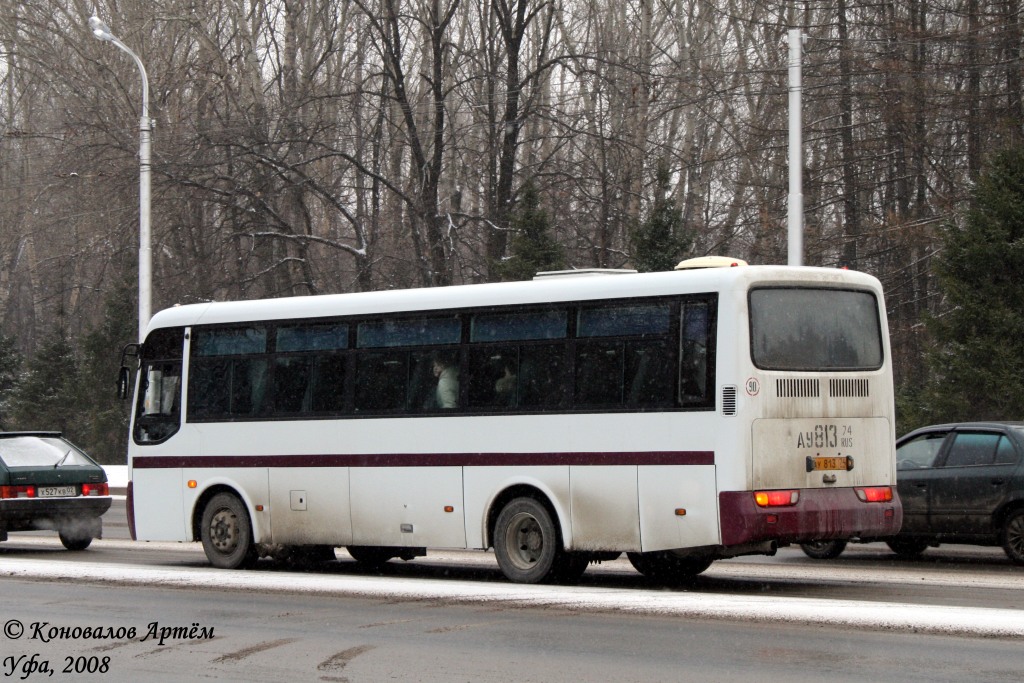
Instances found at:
x=132 y=350
x=122 y=383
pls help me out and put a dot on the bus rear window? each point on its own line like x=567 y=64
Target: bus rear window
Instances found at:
x=814 y=329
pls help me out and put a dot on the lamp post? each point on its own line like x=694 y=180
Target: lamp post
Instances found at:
x=102 y=32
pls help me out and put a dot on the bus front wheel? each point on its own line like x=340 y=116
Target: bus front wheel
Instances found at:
x=528 y=547
x=226 y=532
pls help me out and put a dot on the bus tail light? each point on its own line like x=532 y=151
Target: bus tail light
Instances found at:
x=17 y=491
x=96 y=489
x=874 y=494
x=774 y=499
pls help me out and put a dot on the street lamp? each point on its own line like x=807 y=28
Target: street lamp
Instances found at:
x=102 y=32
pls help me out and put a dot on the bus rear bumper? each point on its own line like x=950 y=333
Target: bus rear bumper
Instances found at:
x=818 y=514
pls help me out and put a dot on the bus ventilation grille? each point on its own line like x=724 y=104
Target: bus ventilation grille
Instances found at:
x=849 y=388
x=798 y=388
x=728 y=400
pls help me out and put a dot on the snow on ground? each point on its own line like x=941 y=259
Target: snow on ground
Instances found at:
x=117 y=476
x=886 y=616
x=764 y=609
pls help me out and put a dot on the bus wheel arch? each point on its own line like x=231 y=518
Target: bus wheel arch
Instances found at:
x=225 y=529
x=528 y=543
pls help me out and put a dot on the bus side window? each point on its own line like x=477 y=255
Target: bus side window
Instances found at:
x=628 y=372
x=541 y=375
x=648 y=383
x=493 y=377
x=695 y=333
x=309 y=368
x=599 y=373
x=293 y=384
x=327 y=394
x=381 y=380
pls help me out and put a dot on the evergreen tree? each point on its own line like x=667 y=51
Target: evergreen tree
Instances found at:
x=105 y=430
x=47 y=396
x=10 y=368
x=533 y=249
x=977 y=349
x=660 y=241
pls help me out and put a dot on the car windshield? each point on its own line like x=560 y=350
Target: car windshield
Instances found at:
x=40 y=451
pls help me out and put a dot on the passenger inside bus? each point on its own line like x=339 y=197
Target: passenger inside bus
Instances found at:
x=447 y=393
x=505 y=386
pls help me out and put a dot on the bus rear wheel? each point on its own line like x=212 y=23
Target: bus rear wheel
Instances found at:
x=370 y=556
x=823 y=550
x=226 y=532
x=529 y=548
x=668 y=566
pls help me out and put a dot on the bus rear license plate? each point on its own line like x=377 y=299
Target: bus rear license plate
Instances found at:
x=56 y=491
x=819 y=463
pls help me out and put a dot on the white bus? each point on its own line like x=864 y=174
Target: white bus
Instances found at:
x=679 y=417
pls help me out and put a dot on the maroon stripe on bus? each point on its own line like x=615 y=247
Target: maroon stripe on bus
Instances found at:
x=428 y=459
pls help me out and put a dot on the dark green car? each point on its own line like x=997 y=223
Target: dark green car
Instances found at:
x=46 y=483
x=959 y=483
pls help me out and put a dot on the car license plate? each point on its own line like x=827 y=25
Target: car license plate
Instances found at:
x=843 y=463
x=56 y=491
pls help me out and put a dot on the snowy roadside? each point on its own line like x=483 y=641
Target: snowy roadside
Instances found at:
x=117 y=478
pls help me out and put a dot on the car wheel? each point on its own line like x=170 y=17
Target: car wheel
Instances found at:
x=907 y=547
x=72 y=542
x=226 y=532
x=823 y=550
x=667 y=566
x=1013 y=536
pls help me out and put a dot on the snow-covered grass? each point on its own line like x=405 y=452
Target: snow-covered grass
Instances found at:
x=117 y=476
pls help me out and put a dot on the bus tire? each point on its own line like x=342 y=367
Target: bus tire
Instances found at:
x=306 y=555
x=372 y=557
x=226 y=532
x=1013 y=536
x=823 y=550
x=907 y=547
x=528 y=546
x=667 y=566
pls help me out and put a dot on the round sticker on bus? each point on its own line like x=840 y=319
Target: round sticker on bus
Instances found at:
x=753 y=386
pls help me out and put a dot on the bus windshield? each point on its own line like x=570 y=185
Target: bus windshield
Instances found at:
x=814 y=329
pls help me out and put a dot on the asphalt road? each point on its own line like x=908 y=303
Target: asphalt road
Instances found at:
x=955 y=614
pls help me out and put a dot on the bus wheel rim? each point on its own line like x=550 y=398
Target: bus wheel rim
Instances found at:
x=524 y=541
x=224 y=531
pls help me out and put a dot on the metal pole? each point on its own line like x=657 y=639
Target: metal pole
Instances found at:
x=101 y=31
x=796 y=197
